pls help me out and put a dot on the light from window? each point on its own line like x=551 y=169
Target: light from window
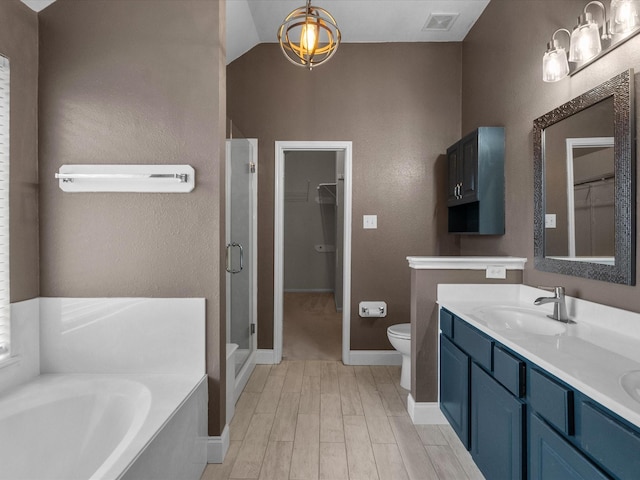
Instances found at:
x=5 y=300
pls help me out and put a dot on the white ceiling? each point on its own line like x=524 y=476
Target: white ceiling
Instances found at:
x=250 y=22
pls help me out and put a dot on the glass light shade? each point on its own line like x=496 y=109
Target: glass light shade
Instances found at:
x=585 y=42
x=309 y=37
x=625 y=15
x=555 y=65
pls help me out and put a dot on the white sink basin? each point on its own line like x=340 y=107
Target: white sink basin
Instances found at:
x=630 y=382
x=520 y=319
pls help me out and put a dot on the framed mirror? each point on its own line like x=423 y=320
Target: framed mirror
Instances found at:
x=584 y=185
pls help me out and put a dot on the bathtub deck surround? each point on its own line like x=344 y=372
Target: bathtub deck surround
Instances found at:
x=426 y=274
x=595 y=355
x=130 y=370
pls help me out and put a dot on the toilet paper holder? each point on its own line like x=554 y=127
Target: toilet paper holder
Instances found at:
x=372 y=309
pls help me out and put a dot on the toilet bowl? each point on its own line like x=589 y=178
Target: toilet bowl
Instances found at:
x=400 y=337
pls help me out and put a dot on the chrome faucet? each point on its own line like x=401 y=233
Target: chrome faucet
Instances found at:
x=559 y=304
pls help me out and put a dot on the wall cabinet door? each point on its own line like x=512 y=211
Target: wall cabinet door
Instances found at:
x=469 y=170
x=454 y=177
x=454 y=388
x=551 y=456
x=462 y=159
x=475 y=186
x=497 y=421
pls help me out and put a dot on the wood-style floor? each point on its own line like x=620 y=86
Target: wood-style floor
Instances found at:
x=324 y=420
x=312 y=329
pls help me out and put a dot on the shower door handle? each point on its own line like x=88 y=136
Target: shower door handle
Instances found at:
x=229 y=258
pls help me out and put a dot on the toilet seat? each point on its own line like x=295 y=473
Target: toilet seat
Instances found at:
x=401 y=331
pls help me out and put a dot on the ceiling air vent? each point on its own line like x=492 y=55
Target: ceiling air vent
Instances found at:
x=440 y=22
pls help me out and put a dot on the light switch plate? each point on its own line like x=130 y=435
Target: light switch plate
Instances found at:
x=550 y=220
x=369 y=221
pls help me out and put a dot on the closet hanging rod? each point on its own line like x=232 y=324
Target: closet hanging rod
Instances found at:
x=70 y=177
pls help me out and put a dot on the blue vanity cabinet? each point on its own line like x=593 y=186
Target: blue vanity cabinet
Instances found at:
x=485 y=414
x=552 y=457
x=521 y=422
x=497 y=426
x=454 y=388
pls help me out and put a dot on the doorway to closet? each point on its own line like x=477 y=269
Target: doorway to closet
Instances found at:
x=312 y=250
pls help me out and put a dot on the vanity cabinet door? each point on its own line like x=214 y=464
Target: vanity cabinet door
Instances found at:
x=497 y=421
x=454 y=388
x=551 y=456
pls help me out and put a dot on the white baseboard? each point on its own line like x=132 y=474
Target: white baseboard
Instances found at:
x=217 y=446
x=265 y=357
x=425 y=413
x=375 y=357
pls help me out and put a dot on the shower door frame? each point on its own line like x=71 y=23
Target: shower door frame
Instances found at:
x=241 y=378
x=281 y=147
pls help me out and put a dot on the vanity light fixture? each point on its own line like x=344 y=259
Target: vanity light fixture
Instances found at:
x=625 y=15
x=555 y=65
x=590 y=39
x=309 y=36
x=585 y=38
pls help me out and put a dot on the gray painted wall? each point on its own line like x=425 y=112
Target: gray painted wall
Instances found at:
x=401 y=116
x=19 y=42
x=502 y=85
x=136 y=82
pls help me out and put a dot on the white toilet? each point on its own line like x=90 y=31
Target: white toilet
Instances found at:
x=400 y=337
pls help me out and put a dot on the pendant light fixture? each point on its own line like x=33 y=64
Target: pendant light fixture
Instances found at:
x=309 y=36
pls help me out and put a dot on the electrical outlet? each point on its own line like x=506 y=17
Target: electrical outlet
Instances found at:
x=496 y=271
x=370 y=221
x=550 y=220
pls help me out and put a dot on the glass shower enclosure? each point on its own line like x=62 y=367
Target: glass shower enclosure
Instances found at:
x=241 y=242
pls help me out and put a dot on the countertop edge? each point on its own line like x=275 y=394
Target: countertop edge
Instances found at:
x=465 y=263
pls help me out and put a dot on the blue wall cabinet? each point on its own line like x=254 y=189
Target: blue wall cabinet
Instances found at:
x=497 y=420
x=476 y=183
x=454 y=388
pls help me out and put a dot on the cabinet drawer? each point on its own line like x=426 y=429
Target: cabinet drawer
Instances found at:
x=476 y=344
x=446 y=323
x=610 y=443
x=552 y=401
x=509 y=371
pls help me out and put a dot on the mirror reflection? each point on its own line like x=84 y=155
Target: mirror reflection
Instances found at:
x=580 y=186
x=584 y=184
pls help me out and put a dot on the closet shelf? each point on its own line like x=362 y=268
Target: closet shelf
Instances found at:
x=329 y=187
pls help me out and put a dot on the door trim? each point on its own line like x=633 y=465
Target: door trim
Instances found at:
x=278 y=248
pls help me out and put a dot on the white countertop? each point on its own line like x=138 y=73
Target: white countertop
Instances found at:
x=591 y=355
x=465 y=263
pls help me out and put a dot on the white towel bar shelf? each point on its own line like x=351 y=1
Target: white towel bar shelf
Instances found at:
x=126 y=178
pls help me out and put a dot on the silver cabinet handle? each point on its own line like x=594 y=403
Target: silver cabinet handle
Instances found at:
x=229 y=258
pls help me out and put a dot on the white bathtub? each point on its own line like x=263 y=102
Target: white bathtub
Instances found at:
x=101 y=426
